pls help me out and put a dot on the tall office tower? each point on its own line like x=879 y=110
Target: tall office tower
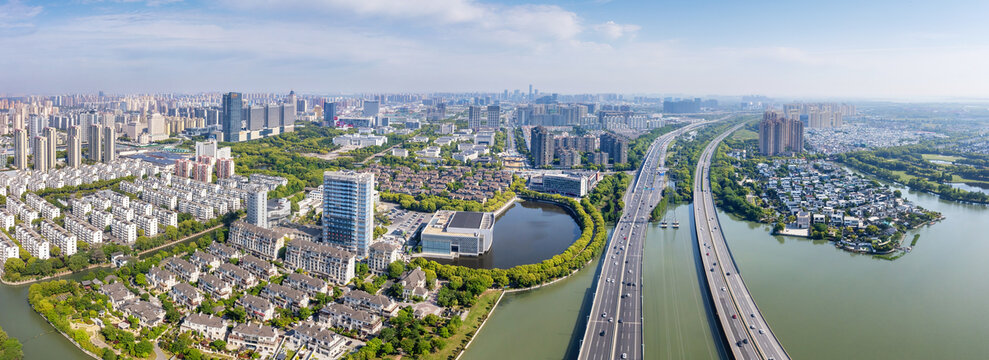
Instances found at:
x=73 y=147
x=494 y=116
x=329 y=113
x=474 y=117
x=779 y=135
x=109 y=144
x=40 y=154
x=542 y=146
x=20 y=149
x=231 y=118
x=256 y=117
x=52 y=140
x=257 y=207
x=616 y=147
x=371 y=107
x=530 y=92
x=287 y=117
x=96 y=143
x=348 y=210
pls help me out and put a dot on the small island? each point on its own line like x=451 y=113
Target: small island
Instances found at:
x=817 y=199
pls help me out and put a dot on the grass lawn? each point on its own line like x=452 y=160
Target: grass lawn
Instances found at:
x=477 y=314
x=743 y=134
x=904 y=177
x=956 y=178
x=940 y=157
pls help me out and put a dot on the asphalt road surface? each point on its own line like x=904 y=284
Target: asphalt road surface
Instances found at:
x=614 y=327
x=743 y=327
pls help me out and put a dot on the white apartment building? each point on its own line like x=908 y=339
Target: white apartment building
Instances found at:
x=335 y=263
x=261 y=242
x=83 y=230
x=33 y=243
x=58 y=236
x=123 y=230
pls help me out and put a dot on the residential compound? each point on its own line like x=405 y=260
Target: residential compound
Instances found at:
x=16 y=183
x=819 y=115
x=455 y=233
x=608 y=148
x=820 y=192
x=779 y=134
x=41 y=238
x=477 y=184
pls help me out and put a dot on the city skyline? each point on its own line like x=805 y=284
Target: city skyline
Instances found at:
x=882 y=50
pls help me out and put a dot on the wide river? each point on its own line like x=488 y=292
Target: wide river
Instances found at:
x=823 y=303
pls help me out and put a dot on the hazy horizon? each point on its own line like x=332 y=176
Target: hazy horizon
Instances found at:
x=881 y=50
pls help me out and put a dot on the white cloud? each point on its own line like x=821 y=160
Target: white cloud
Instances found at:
x=615 y=31
x=527 y=24
x=14 y=14
x=476 y=47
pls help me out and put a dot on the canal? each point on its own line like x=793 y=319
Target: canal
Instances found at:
x=822 y=302
x=40 y=340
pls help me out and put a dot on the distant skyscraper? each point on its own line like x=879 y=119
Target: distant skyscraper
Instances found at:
x=157 y=128
x=96 y=143
x=779 y=135
x=206 y=148
x=73 y=147
x=474 y=120
x=37 y=122
x=542 y=146
x=348 y=210
x=51 y=137
x=231 y=117
x=494 y=116
x=40 y=154
x=329 y=113
x=257 y=207
x=616 y=147
x=109 y=144
x=20 y=149
x=371 y=107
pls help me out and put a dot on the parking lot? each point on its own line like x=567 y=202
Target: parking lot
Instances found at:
x=404 y=223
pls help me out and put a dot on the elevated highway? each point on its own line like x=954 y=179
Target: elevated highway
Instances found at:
x=614 y=326
x=747 y=334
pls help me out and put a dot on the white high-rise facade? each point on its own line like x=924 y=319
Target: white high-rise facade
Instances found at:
x=348 y=210
x=257 y=207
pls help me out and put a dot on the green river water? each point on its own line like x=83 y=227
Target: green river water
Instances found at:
x=822 y=302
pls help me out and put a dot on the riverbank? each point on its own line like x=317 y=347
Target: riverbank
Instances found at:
x=473 y=333
x=108 y=265
x=55 y=276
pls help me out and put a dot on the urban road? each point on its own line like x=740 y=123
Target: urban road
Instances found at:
x=745 y=330
x=614 y=326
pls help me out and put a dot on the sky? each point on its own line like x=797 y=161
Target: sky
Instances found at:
x=877 y=49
